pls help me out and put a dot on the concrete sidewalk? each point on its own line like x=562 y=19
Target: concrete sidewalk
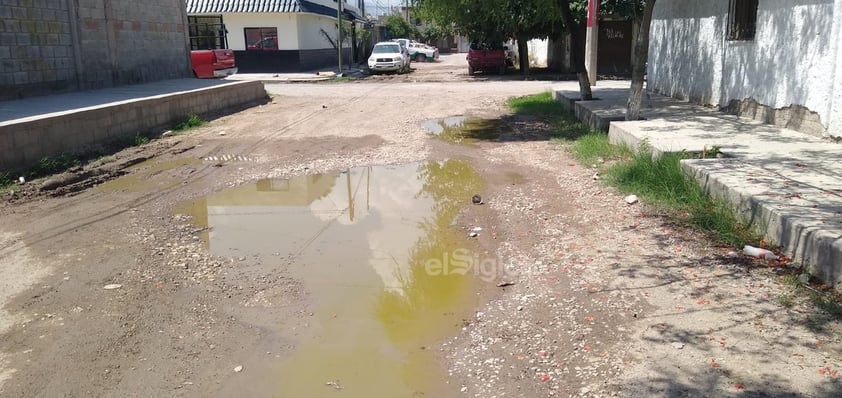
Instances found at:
x=303 y=77
x=38 y=127
x=787 y=183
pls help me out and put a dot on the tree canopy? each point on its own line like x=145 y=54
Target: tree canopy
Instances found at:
x=398 y=27
x=497 y=20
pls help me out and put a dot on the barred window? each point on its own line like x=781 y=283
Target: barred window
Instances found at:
x=742 y=19
x=206 y=32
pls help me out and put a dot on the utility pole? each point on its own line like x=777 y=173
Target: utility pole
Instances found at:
x=591 y=40
x=339 y=35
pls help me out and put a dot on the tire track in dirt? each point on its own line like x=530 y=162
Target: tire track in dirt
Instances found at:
x=198 y=175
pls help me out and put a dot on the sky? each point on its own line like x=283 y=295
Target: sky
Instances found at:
x=379 y=7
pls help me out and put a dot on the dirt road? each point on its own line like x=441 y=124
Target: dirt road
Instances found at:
x=321 y=245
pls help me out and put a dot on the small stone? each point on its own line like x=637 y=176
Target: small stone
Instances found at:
x=464 y=389
x=238 y=369
x=476 y=199
x=504 y=284
x=804 y=278
x=677 y=345
x=222 y=133
x=168 y=133
x=112 y=286
x=21 y=180
x=631 y=199
x=596 y=177
x=473 y=234
x=520 y=308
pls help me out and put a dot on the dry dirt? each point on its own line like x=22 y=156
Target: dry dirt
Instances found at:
x=599 y=298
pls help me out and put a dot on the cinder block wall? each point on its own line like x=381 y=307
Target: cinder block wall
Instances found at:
x=36 y=48
x=49 y=46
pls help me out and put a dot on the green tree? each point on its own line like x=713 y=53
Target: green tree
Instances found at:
x=398 y=27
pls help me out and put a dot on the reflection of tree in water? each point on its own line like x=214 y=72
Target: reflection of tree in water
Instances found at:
x=416 y=315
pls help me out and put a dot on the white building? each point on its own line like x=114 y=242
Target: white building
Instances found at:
x=279 y=35
x=779 y=61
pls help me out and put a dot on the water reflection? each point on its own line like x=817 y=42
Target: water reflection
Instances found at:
x=358 y=241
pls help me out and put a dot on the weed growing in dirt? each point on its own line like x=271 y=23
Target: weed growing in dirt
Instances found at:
x=139 y=140
x=5 y=180
x=594 y=145
x=53 y=165
x=190 y=122
x=662 y=182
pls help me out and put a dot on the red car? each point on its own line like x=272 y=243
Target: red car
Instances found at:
x=213 y=63
x=486 y=57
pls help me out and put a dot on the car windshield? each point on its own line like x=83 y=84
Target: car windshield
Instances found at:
x=387 y=48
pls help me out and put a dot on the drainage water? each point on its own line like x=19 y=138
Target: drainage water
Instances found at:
x=360 y=241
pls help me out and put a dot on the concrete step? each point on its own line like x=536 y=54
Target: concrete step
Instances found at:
x=795 y=203
x=786 y=183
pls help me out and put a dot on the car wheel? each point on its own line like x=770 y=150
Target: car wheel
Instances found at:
x=502 y=70
x=420 y=57
x=470 y=70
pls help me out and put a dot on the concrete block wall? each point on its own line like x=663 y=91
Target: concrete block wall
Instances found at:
x=24 y=142
x=127 y=42
x=49 y=46
x=36 y=52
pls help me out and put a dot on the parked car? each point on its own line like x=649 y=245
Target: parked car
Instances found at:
x=213 y=63
x=422 y=52
x=486 y=57
x=389 y=57
x=268 y=43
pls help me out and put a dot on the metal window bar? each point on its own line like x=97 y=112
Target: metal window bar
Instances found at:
x=207 y=33
x=742 y=19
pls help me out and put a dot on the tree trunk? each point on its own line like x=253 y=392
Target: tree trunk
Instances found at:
x=523 y=56
x=576 y=59
x=641 y=54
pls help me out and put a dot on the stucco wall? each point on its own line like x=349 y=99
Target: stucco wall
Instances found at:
x=310 y=36
x=836 y=104
x=789 y=62
x=285 y=23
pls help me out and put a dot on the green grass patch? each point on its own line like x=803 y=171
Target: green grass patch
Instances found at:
x=537 y=104
x=658 y=181
x=189 y=123
x=594 y=146
x=661 y=182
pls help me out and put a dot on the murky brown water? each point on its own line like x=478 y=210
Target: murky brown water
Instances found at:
x=359 y=242
x=466 y=130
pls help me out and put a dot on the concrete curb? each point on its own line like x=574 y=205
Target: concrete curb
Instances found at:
x=786 y=184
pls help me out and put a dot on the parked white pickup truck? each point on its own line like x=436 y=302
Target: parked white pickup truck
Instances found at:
x=419 y=51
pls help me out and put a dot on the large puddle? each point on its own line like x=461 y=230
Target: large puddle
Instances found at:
x=359 y=242
x=467 y=130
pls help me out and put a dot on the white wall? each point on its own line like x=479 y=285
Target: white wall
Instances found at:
x=836 y=102
x=790 y=61
x=538 y=50
x=286 y=24
x=309 y=35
